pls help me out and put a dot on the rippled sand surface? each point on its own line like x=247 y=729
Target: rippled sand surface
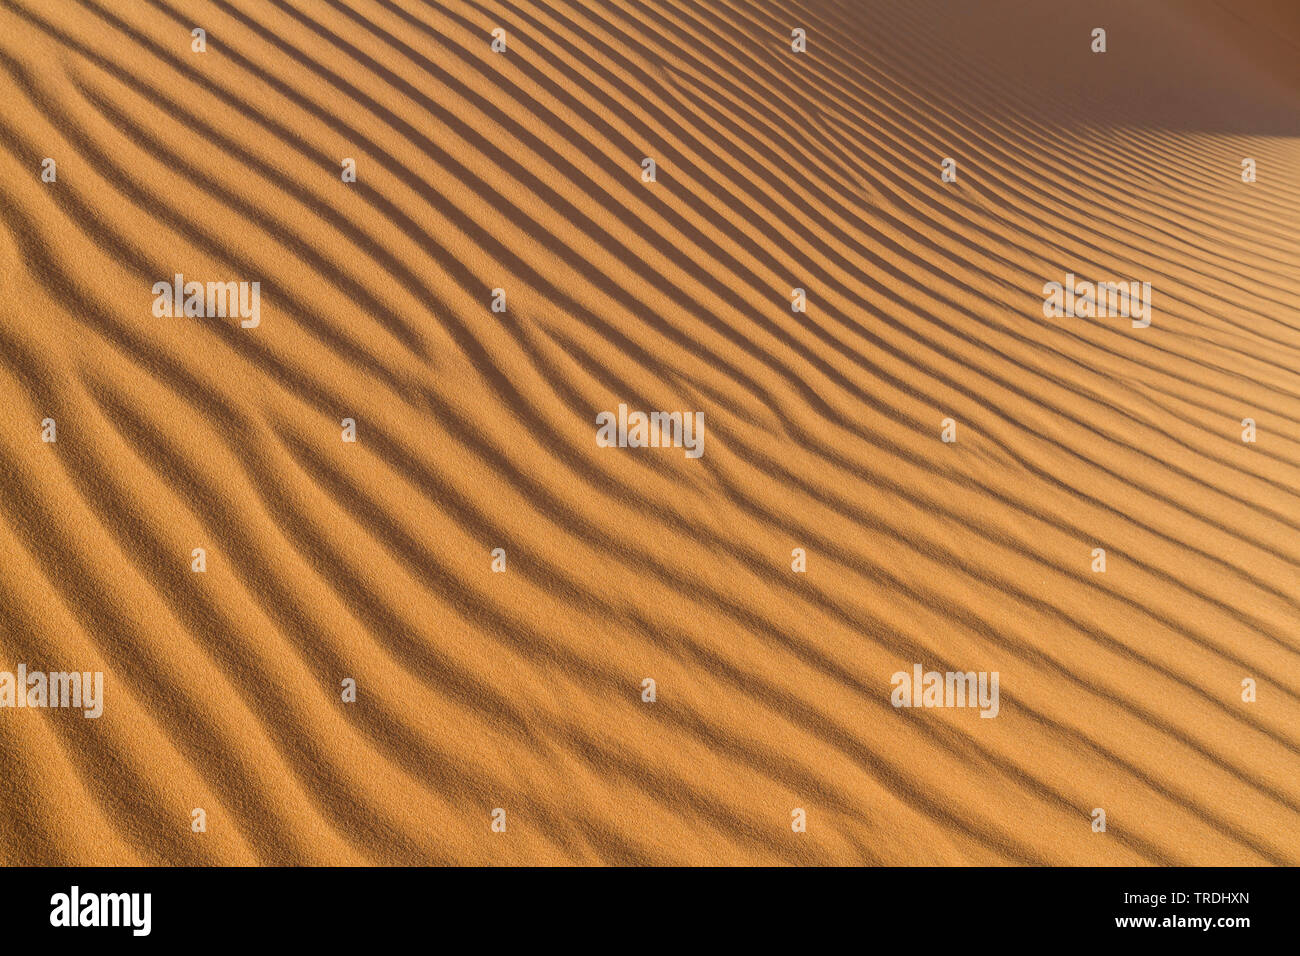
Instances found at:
x=522 y=690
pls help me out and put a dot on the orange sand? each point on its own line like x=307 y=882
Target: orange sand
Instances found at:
x=775 y=170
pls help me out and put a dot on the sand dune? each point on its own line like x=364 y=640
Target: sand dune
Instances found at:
x=522 y=689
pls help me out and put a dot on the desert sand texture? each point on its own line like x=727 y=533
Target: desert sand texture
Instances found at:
x=515 y=681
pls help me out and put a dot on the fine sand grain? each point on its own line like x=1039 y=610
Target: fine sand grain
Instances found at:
x=475 y=430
